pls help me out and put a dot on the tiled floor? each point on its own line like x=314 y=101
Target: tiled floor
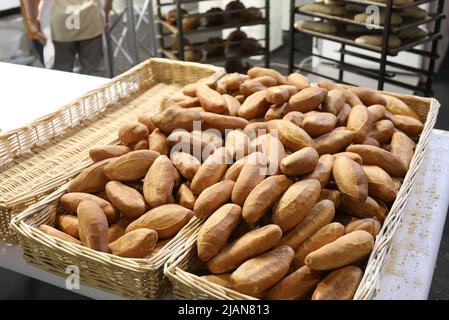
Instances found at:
x=14 y=286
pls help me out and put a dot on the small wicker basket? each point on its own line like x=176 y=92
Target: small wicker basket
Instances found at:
x=37 y=159
x=184 y=262
x=130 y=278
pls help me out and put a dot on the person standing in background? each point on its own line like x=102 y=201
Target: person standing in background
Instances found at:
x=77 y=27
x=38 y=46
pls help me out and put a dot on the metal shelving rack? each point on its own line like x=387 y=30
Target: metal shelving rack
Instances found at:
x=382 y=75
x=166 y=29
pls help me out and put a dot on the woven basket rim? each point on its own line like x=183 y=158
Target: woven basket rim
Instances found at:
x=48 y=117
x=7 y=202
x=19 y=225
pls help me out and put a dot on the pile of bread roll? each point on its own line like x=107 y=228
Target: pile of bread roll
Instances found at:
x=292 y=180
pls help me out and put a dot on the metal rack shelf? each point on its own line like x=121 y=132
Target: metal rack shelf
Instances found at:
x=229 y=45
x=349 y=40
x=407 y=24
x=173 y=29
x=173 y=3
x=215 y=59
x=223 y=13
x=365 y=2
x=181 y=33
x=367 y=72
x=346 y=39
x=389 y=63
x=347 y=19
x=384 y=5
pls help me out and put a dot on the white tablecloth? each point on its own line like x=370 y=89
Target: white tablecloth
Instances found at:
x=409 y=272
x=28 y=93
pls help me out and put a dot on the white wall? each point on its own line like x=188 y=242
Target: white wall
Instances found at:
x=285 y=11
x=9 y=4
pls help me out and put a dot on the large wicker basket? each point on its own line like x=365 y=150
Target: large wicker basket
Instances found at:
x=38 y=158
x=181 y=266
x=132 y=278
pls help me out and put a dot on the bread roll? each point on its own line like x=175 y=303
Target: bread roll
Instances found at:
x=413 y=13
x=413 y=33
x=317 y=26
x=250 y=45
x=193 y=55
x=215 y=47
x=215 y=18
x=171 y=16
x=376 y=41
x=233 y=6
x=395 y=19
x=252 y=14
x=329 y=9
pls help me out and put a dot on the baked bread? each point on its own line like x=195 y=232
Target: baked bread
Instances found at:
x=191 y=23
x=329 y=9
x=188 y=23
x=413 y=13
x=235 y=36
x=317 y=26
x=171 y=16
x=350 y=28
x=215 y=19
x=250 y=45
x=175 y=44
x=376 y=41
x=234 y=5
x=252 y=14
x=363 y=17
x=396 y=2
x=355 y=8
x=413 y=33
x=214 y=47
x=193 y=55
x=234 y=65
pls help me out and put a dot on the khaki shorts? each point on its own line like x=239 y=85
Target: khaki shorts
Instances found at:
x=90 y=55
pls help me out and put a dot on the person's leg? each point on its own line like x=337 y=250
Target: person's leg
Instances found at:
x=39 y=49
x=65 y=53
x=91 y=57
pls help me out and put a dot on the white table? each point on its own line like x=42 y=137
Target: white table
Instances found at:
x=28 y=93
x=409 y=272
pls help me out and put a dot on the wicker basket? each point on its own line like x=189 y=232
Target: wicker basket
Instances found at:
x=130 y=278
x=37 y=159
x=184 y=261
